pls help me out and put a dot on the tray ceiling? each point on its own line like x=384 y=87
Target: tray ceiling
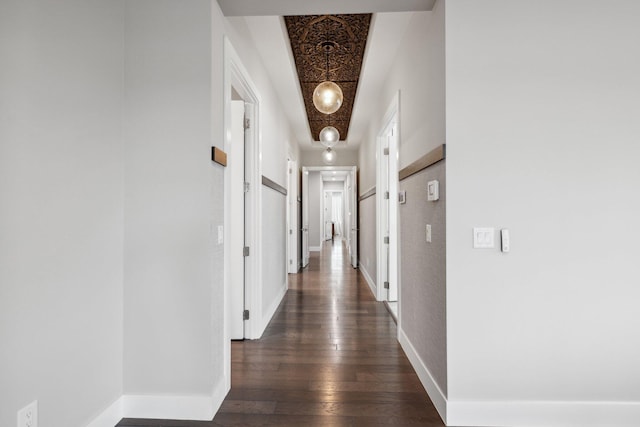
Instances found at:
x=328 y=47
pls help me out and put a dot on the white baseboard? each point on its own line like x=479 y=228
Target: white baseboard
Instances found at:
x=543 y=414
x=198 y=408
x=471 y=413
x=315 y=248
x=193 y=408
x=268 y=315
x=370 y=282
x=428 y=382
x=110 y=417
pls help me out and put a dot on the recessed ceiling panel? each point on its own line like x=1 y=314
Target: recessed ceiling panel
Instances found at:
x=328 y=47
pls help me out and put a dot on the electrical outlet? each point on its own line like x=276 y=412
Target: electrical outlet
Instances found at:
x=28 y=416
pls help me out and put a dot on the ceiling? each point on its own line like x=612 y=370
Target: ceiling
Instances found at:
x=270 y=37
x=328 y=48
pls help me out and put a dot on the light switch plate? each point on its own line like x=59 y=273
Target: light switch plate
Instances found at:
x=433 y=190
x=220 y=234
x=428 y=233
x=402 y=197
x=505 y=240
x=483 y=237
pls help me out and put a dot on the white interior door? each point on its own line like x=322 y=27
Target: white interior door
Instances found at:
x=384 y=214
x=236 y=269
x=305 y=217
x=292 y=217
x=392 y=213
x=354 y=216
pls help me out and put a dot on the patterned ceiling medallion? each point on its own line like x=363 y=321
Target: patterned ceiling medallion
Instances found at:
x=328 y=47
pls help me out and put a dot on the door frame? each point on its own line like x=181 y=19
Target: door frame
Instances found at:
x=331 y=192
x=292 y=216
x=236 y=76
x=391 y=120
x=353 y=194
x=304 y=227
x=235 y=267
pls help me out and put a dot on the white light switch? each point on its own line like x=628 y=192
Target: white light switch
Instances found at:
x=483 y=237
x=505 y=240
x=220 y=234
x=433 y=190
x=428 y=233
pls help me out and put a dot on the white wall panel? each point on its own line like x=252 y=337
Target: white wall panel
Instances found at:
x=173 y=194
x=61 y=95
x=542 y=139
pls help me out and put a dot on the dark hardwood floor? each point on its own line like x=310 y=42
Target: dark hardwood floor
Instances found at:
x=329 y=357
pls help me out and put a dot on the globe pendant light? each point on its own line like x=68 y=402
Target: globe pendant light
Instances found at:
x=329 y=156
x=327 y=97
x=329 y=136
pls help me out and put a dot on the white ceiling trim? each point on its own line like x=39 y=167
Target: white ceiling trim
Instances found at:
x=298 y=7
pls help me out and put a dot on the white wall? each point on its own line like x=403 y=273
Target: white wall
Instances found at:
x=173 y=280
x=333 y=185
x=274 y=250
x=542 y=138
x=111 y=278
x=343 y=158
x=61 y=94
x=418 y=73
x=276 y=138
x=276 y=145
x=368 y=261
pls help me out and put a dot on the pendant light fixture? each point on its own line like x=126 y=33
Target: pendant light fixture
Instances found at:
x=329 y=136
x=327 y=96
x=329 y=156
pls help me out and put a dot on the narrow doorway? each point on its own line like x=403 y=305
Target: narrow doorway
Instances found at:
x=237 y=222
x=387 y=209
x=329 y=209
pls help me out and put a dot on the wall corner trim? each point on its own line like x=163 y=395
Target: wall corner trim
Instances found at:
x=110 y=416
x=433 y=390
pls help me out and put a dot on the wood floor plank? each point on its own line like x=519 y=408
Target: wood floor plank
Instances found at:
x=329 y=357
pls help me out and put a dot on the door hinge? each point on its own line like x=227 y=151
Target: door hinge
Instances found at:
x=386 y=285
x=386 y=240
x=245 y=251
x=245 y=315
x=246 y=187
x=247 y=123
x=385 y=151
x=386 y=195
x=290 y=231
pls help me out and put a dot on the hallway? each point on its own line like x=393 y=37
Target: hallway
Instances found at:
x=329 y=358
